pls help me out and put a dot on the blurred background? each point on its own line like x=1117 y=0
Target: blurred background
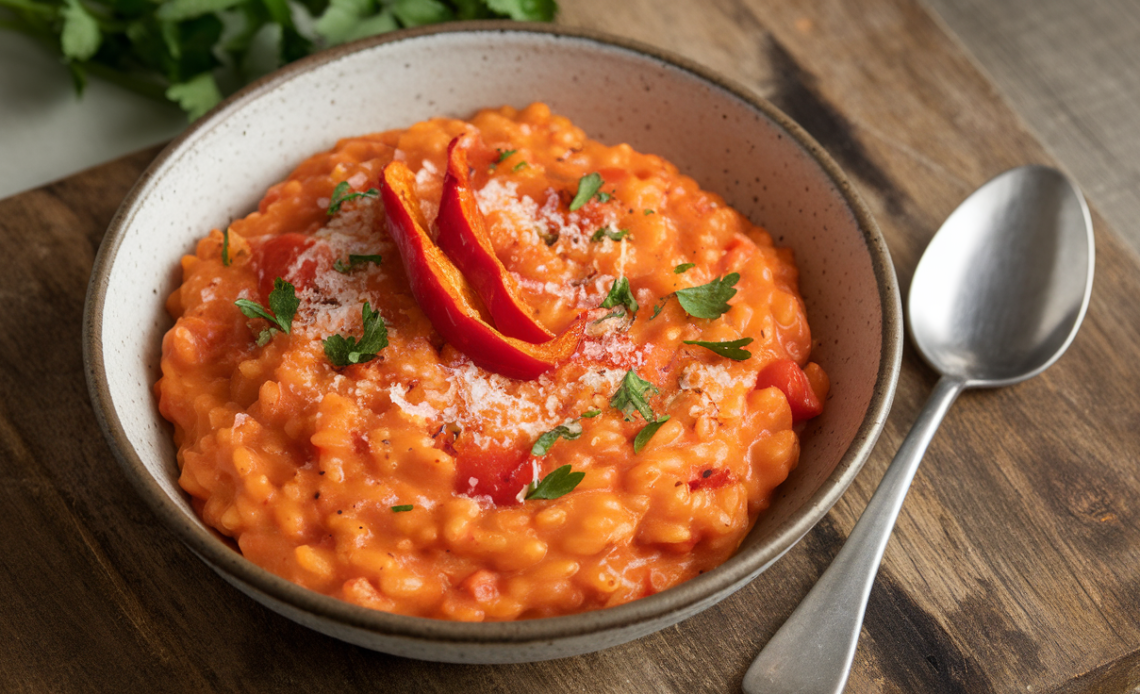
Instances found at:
x=1071 y=68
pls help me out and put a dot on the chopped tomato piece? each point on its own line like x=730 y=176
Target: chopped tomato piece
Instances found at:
x=499 y=473
x=277 y=257
x=711 y=479
x=786 y=375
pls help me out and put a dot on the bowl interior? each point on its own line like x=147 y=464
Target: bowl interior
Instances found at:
x=730 y=142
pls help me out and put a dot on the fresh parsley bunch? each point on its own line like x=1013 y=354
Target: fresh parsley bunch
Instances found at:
x=192 y=52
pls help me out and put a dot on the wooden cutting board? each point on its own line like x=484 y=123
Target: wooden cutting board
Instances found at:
x=1015 y=566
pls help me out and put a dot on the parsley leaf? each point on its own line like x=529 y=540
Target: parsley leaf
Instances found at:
x=591 y=414
x=174 y=49
x=568 y=431
x=709 y=300
x=196 y=95
x=589 y=186
x=525 y=10
x=344 y=351
x=620 y=295
x=557 y=484
x=606 y=233
x=342 y=195
x=520 y=165
x=80 y=37
x=504 y=155
x=647 y=433
x=226 y=248
x=283 y=303
x=660 y=306
x=403 y=508
x=353 y=261
x=631 y=395
x=730 y=348
x=683 y=267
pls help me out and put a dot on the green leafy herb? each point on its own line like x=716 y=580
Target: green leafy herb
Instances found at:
x=647 y=433
x=620 y=295
x=591 y=414
x=660 y=306
x=589 y=186
x=226 y=248
x=283 y=303
x=80 y=36
x=731 y=348
x=341 y=194
x=616 y=313
x=632 y=394
x=520 y=165
x=196 y=95
x=194 y=52
x=568 y=431
x=606 y=233
x=503 y=156
x=353 y=261
x=649 y=212
x=403 y=508
x=683 y=267
x=557 y=484
x=709 y=300
x=344 y=351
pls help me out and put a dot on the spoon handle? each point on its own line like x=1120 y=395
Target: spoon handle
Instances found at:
x=812 y=652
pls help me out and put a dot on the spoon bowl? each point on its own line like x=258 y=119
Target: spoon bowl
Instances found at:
x=1023 y=276
x=996 y=298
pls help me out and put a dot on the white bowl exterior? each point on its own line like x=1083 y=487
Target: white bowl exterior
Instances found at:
x=219 y=171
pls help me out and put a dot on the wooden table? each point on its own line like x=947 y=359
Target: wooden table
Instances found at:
x=1015 y=566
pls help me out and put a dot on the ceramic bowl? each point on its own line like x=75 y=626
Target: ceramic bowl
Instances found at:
x=729 y=140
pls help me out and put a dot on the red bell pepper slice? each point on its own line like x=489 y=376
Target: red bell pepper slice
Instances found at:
x=463 y=237
x=786 y=375
x=448 y=300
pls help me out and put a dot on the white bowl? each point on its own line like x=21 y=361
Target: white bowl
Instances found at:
x=728 y=139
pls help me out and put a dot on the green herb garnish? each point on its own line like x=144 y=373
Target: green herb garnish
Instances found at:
x=631 y=395
x=226 y=247
x=606 y=233
x=344 y=351
x=591 y=414
x=403 y=508
x=569 y=431
x=731 y=348
x=647 y=433
x=341 y=194
x=503 y=156
x=649 y=212
x=520 y=165
x=620 y=295
x=194 y=52
x=660 y=306
x=557 y=484
x=683 y=267
x=589 y=186
x=283 y=303
x=709 y=300
x=353 y=261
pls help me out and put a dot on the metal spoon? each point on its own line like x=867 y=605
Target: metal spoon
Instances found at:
x=997 y=297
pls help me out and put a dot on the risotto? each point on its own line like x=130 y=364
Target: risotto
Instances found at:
x=487 y=370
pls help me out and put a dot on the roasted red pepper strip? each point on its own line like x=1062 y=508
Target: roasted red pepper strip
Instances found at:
x=786 y=375
x=463 y=237
x=448 y=300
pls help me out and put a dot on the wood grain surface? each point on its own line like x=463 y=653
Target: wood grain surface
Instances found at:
x=1072 y=70
x=1015 y=566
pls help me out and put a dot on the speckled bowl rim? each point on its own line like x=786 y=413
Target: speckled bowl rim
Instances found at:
x=704 y=588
